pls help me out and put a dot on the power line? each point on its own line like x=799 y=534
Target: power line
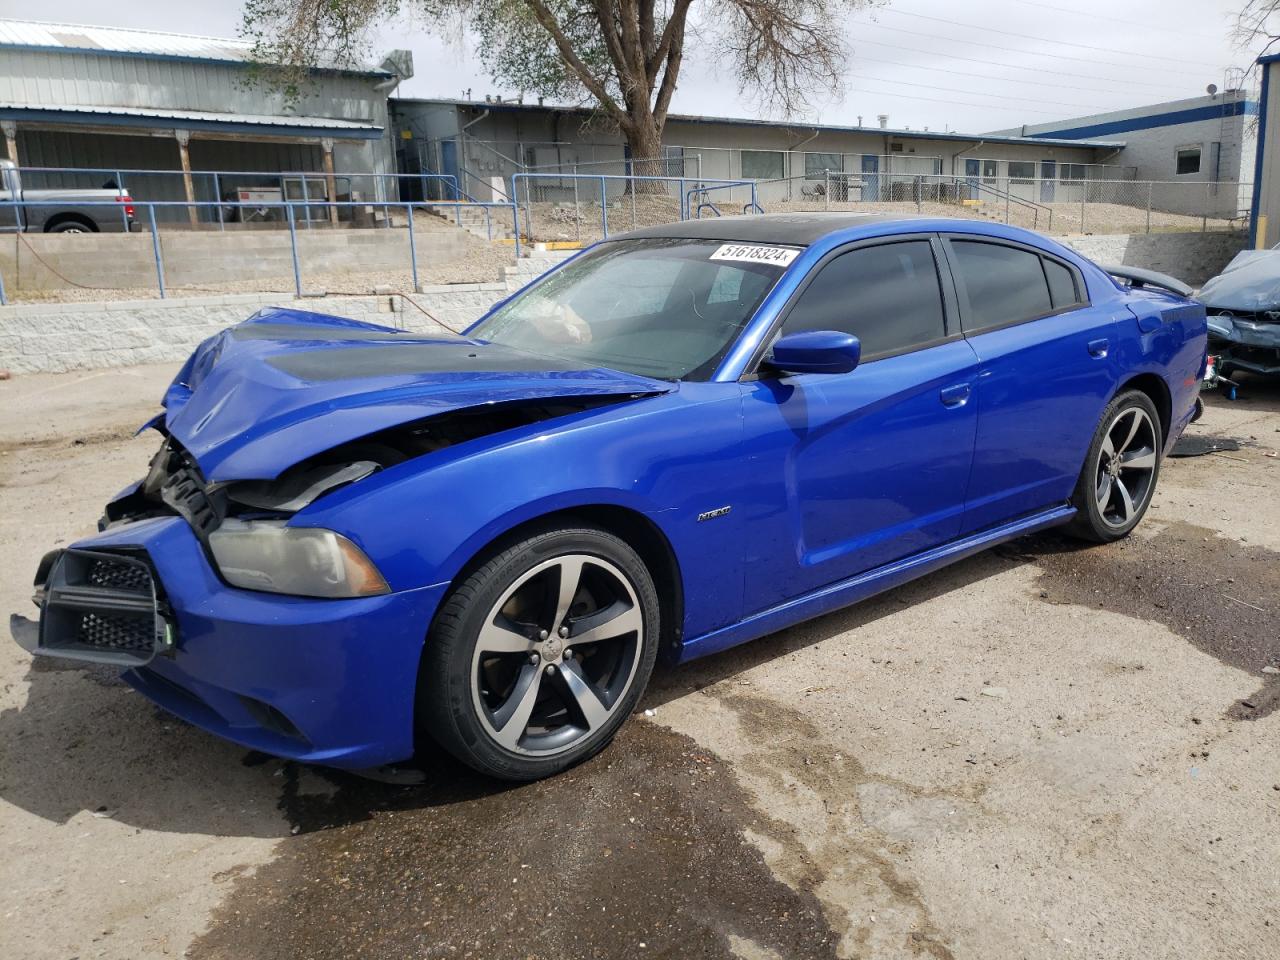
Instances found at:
x=957 y=103
x=1014 y=66
x=1098 y=16
x=978 y=93
x=1027 y=36
x=981 y=76
x=1037 y=53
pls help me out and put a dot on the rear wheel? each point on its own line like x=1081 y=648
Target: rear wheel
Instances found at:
x=1120 y=471
x=71 y=226
x=538 y=656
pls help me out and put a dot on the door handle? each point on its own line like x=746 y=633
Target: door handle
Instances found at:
x=956 y=395
x=1098 y=348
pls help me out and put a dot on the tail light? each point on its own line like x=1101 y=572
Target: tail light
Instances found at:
x=128 y=204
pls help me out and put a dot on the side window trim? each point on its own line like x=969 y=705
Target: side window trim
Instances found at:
x=962 y=297
x=950 y=304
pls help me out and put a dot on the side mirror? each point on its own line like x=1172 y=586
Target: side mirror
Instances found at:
x=815 y=351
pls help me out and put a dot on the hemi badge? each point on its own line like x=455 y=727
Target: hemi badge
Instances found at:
x=712 y=514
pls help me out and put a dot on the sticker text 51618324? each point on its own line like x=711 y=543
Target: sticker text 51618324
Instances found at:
x=756 y=253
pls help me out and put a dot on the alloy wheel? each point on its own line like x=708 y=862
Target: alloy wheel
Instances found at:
x=1126 y=466
x=556 y=654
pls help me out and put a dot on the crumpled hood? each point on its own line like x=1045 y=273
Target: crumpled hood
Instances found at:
x=1250 y=283
x=285 y=385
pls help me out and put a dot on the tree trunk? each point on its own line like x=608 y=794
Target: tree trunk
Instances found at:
x=645 y=140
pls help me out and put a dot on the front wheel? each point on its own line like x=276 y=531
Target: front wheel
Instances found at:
x=538 y=656
x=1120 y=470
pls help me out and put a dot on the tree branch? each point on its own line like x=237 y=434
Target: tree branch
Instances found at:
x=579 y=69
x=675 y=25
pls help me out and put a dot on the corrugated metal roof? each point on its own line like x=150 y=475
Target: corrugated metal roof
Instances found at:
x=85 y=38
x=201 y=116
x=71 y=36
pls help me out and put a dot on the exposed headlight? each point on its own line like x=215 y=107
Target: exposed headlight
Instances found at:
x=303 y=561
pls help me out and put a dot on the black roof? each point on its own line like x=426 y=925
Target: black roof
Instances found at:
x=791 y=229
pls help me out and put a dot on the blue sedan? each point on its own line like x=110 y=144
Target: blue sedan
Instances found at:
x=683 y=438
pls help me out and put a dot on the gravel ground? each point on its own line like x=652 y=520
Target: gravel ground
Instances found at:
x=1043 y=751
x=561 y=221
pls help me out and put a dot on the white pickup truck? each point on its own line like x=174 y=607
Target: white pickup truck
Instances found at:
x=61 y=211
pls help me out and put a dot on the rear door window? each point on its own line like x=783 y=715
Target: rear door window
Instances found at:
x=999 y=285
x=1062 y=284
x=888 y=296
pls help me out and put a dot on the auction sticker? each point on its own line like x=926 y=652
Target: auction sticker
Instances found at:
x=756 y=253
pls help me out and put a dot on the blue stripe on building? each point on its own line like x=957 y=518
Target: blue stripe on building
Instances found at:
x=1233 y=109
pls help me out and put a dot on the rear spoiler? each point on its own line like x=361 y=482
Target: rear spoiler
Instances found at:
x=1148 y=278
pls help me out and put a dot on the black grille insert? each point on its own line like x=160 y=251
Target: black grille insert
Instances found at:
x=132 y=577
x=104 y=608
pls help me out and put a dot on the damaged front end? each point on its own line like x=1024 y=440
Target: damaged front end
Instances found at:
x=1248 y=341
x=264 y=420
x=1243 y=306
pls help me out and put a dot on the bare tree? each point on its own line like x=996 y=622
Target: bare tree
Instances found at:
x=623 y=56
x=1257 y=23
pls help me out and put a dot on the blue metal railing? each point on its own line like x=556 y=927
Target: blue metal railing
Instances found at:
x=289 y=208
x=279 y=179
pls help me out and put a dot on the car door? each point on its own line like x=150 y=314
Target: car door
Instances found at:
x=846 y=472
x=1046 y=371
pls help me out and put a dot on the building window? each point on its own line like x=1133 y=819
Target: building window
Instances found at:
x=762 y=165
x=1022 y=171
x=1188 y=160
x=1071 y=171
x=816 y=165
x=673 y=161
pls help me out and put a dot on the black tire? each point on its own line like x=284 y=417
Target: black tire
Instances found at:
x=1111 y=498
x=71 y=226
x=466 y=692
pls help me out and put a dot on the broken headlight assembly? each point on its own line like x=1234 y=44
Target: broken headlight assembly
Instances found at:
x=301 y=561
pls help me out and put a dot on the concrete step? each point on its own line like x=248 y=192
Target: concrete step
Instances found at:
x=535 y=264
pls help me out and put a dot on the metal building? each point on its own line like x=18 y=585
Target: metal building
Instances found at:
x=484 y=143
x=1265 y=202
x=1200 y=140
x=115 y=100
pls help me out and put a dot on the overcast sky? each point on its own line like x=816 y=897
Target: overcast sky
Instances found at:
x=978 y=66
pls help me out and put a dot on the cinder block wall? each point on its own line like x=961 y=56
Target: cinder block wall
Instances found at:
x=1191 y=257
x=57 y=337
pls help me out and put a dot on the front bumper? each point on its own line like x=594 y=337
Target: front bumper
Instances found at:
x=319 y=681
x=1247 y=344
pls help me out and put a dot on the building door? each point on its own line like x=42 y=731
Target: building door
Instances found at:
x=449 y=163
x=971 y=177
x=1048 y=174
x=870 y=177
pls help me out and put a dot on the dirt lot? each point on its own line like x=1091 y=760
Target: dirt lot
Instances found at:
x=1044 y=751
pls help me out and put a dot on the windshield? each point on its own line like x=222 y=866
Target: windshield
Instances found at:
x=658 y=308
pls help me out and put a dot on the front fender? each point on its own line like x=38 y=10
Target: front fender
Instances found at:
x=671 y=459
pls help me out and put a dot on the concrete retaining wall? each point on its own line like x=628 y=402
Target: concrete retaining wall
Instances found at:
x=1191 y=257
x=50 y=261
x=51 y=338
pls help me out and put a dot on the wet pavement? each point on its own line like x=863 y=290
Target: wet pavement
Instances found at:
x=638 y=853
x=1219 y=594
